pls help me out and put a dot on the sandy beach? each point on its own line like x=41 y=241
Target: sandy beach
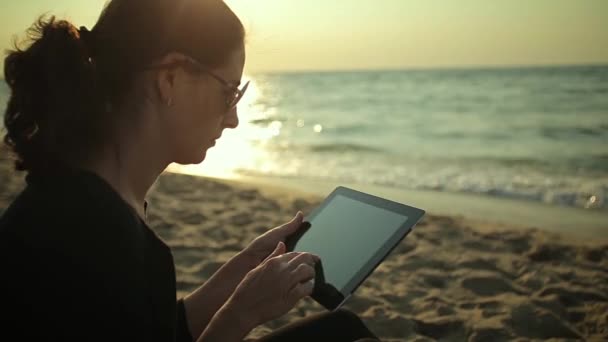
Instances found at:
x=451 y=279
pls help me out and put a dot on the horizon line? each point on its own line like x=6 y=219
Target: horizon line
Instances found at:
x=424 y=68
x=431 y=68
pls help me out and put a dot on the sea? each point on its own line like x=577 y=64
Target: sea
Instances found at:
x=529 y=133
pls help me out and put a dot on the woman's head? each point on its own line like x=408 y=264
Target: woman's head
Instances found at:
x=158 y=65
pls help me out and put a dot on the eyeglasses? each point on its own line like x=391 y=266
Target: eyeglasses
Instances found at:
x=234 y=94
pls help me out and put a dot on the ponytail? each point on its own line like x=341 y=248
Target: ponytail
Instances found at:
x=49 y=114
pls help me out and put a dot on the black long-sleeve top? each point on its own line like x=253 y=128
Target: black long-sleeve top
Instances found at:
x=78 y=264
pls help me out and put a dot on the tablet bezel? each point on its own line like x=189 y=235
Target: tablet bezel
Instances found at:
x=413 y=217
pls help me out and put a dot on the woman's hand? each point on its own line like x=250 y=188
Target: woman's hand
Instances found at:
x=275 y=286
x=263 y=245
x=266 y=292
x=204 y=302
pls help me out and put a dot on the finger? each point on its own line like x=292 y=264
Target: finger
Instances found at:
x=279 y=249
x=300 y=291
x=293 y=225
x=287 y=257
x=303 y=258
x=298 y=218
x=302 y=273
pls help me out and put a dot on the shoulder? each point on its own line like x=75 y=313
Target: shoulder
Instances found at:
x=77 y=211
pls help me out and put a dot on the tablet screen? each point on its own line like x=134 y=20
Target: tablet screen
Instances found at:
x=346 y=234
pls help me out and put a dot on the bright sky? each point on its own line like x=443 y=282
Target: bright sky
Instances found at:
x=370 y=34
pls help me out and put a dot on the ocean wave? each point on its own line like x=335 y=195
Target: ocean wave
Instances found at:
x=486 y=136
x=343 y=147
x=594 y=163
x=266 y=121
x=567 y=192
x=572 y=132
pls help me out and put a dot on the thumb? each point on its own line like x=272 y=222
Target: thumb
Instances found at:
x=279 y=249
x=294 y=224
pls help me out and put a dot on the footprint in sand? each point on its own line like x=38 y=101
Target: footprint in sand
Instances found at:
x=404 y=248
x=488 y=308
x=529 y=321
x=489 y=304
x=403 y=303
x=416 y=262
x=241 y=219
x=489 y=264
x=481 y=246
x=361 y=304
x=217 y=233
x=434 y=306
x=193 y=218
x=265 y=205
x=531 y=280
x=444 y=329
x=490 y=335
x=552 y=304
x=498 y=242
x=491 y=308
x=453 y=233
x=549 y=252
x=576 y=316
x=596 y=254
x=445 y=221
x=248 y=195
x=392 y=326
x=518 y=244
x=573 y=296
x=488 y=285
x=434 y=280
x=478 y=264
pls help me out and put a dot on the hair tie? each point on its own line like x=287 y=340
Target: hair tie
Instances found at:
x=85 y=36
x=84 y=33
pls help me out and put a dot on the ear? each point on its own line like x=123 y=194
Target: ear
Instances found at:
x=165 y=79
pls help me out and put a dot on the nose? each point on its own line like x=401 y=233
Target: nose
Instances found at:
x=231 y=120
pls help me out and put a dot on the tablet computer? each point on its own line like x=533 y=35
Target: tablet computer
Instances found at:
x=352 y=232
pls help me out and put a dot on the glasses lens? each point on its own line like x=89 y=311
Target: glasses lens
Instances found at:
x=236 y=96
x=233 y=99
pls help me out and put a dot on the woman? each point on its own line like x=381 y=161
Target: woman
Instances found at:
x=93 y=118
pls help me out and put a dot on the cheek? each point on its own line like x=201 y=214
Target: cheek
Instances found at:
x=194 y=120
x=195 y=123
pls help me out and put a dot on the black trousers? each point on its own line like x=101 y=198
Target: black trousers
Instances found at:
x=337 y=326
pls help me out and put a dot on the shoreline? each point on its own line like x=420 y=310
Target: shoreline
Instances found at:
x=576 y=223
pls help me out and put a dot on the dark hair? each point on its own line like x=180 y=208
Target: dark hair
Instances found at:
x=66 y=81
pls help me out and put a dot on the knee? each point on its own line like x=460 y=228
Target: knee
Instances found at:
x=354 y=324
x=347 y=315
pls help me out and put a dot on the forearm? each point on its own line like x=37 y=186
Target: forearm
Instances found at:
x=227 y=325
x=202 y=304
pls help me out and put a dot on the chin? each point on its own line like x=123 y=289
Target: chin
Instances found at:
x=193 y=158
x=199 y=157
